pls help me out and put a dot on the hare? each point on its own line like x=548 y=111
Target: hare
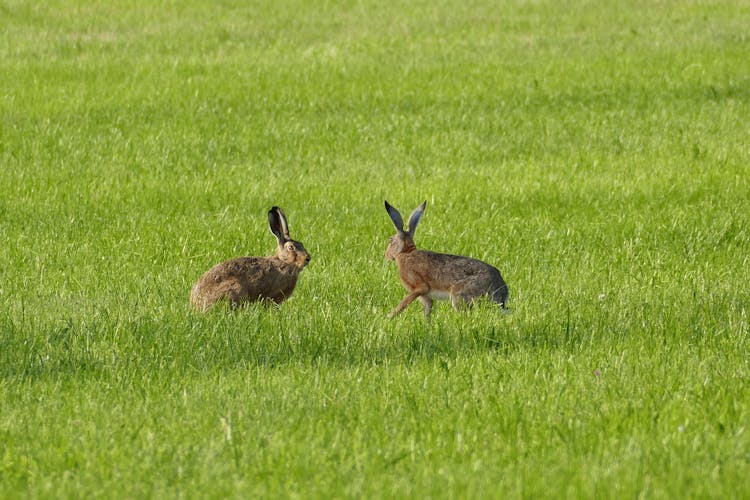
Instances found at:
x=430 y=275
x=247 y=279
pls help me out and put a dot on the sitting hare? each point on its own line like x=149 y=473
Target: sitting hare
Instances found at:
x=429 y=275
x=247 y=279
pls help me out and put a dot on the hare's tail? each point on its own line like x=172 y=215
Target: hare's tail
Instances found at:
x=500 y=295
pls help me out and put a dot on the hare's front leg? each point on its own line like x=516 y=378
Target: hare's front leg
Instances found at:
x=404 y=303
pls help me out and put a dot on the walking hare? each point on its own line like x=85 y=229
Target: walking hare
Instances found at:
x=429 y=275
x=247 y=279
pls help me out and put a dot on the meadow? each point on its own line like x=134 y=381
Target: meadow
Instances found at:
x=597 y=153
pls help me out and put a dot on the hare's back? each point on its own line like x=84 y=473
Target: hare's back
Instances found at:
x=458 y=265
x=452 y=272
x=236 y=279
x=241 y=267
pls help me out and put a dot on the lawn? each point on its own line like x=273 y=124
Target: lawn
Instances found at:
x=597 y=153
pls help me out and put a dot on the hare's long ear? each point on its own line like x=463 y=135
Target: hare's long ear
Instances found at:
x=398 y=222
x=415 y=216
x=284 y=223
x=276 y=225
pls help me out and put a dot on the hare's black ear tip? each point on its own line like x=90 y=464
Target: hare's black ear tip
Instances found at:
x=274 y=208
x=387 y=205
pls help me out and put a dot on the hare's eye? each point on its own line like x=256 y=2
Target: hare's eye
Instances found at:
x=290 y=247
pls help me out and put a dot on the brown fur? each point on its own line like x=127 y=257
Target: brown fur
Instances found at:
x=428 y=275
x=248 y=279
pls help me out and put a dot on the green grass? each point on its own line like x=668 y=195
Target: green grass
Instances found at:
x=596 y=152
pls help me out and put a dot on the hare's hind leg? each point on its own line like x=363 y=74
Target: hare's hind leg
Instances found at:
x=233 y=292
x=460 y=300
x=427 y=305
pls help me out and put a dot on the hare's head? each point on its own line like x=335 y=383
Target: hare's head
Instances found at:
x=402 y=241
x=289 y=250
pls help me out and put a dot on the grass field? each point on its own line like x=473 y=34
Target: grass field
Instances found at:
x=597 y=153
